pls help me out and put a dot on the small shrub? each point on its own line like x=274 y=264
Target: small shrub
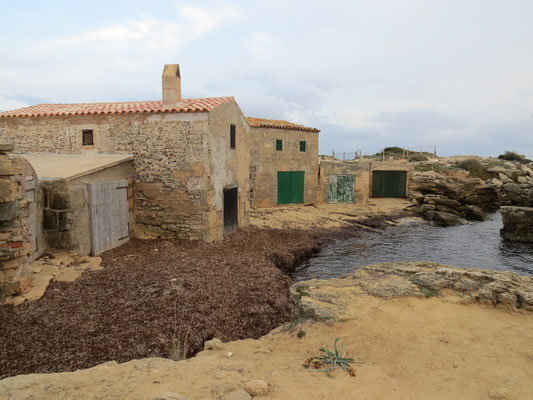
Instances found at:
x=417 y=157
x=428 y=292
x=299 y=316
x=301 y=334
x=302 y=290
x=475 y=168
x=512 y=156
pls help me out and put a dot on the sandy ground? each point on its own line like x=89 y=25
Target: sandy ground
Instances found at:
x=409 y=348
x=325 y=215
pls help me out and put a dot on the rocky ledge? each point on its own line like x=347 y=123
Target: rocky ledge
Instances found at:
x=331 y=299
x=517 y=223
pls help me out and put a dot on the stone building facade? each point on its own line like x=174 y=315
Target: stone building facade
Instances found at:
x=281 y=146
x=187 y=152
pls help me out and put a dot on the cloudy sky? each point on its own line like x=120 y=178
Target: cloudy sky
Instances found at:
x=455 y=74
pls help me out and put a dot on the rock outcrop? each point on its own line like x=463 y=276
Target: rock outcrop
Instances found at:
x=445 y=193
x=517 y=223
x=329 y=299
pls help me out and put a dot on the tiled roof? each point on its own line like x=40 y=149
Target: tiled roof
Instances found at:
x=279 y=124
x=129 y=107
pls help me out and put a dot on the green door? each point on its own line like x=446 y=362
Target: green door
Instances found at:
x=341 y=189
x=291 y=187
x=389 y=183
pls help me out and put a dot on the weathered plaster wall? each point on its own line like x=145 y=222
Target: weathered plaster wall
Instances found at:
x=170 y=164
x=228 y=167
x=15 y=243
x=360 y=171
x=266 y=161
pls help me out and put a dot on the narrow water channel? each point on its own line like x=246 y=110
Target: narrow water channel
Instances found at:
x=475 y=245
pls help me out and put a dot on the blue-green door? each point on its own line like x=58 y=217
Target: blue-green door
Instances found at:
x=341 y=189
x=291 y=187
x=389 y=184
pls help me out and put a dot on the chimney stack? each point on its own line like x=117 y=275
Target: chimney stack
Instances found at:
x=171 y=85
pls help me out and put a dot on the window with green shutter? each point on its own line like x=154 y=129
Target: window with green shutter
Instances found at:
x=302 y=145
x=279 y=144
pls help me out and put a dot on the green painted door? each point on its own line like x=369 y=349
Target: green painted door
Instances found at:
x=341 y=189
x=389 y=183
x=291 y=187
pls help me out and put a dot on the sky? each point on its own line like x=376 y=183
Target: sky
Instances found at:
x=455 y=75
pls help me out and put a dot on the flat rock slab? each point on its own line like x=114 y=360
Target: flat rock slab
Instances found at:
x=330 y=298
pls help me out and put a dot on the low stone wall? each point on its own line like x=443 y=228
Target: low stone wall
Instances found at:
x=15 y=243
x=517 y=223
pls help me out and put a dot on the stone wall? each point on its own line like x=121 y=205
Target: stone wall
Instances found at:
x=360 y=172
x=228 y=167
x=15 y=241
x=266 y=161
x=171 y=160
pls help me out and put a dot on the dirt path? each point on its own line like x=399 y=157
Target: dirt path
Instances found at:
x=149 y=292
x=410 y=348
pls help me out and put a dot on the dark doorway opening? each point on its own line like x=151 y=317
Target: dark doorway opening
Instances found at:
x=231 y=211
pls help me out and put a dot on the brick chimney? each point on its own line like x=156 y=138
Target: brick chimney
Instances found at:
x=171 y=85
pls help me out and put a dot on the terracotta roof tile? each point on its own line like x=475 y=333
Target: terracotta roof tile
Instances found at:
x=279 y=124
x=129 y=107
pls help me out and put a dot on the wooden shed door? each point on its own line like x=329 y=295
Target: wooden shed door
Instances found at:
x=29 y=188
x=291 y=187
x=108 y=215
x=231 y=210
x=389 y=184
x=341 y=189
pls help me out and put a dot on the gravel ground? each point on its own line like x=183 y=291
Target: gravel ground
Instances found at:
x=151 y=291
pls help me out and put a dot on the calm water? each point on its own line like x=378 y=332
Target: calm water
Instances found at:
x=476 y=245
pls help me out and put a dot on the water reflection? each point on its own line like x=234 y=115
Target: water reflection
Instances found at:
x=476 y=245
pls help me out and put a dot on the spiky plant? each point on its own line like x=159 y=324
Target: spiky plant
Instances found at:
x=329 y=360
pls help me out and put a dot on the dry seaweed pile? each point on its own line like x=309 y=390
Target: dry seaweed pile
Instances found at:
x=150 y=291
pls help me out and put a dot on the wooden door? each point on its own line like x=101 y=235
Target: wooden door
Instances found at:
x=291 y=187
x=231 y=210
x=108 y=215
x=389 y=184
x=341 y=189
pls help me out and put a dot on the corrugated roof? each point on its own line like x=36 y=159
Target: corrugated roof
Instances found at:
x=279 y=124
x=129 y=107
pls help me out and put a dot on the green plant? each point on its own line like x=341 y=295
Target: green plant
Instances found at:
x=512 y=156
x=301 y=334
x=329 y=360
x=429 y=292
x=179 y=349
x=302 y=290
x=299 y=316
x=417 y=157
x=474 y=167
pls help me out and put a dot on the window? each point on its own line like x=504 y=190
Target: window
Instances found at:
x=232 y=130
x=87 y=137
x=279 y=144
x=302 y=145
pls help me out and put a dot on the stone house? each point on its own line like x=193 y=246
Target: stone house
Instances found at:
x=191 y=157
x=283 y=163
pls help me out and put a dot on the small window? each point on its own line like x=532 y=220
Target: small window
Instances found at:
x=279 y=144
x=232 y=131
x=87 y=137
x=302 y=145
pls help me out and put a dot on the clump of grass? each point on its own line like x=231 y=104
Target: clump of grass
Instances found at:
x=429 y=292
x=513 y=156
x=179 y=345
x=475 y=168
x=302 y=290
x=417 y=157
x=329 y=360
x=301 y=334
x=299 y=316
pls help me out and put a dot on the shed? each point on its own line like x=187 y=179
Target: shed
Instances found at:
x=84 y=201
